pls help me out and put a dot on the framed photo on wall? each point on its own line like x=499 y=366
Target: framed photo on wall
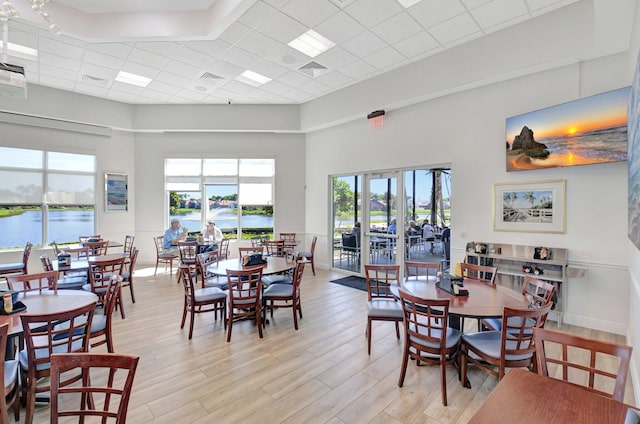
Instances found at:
x=529 y=206
x=115 y=192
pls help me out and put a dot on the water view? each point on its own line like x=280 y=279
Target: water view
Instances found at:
x=224 y=218
x=64 y=226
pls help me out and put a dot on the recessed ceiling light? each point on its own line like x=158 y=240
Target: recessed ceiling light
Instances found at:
x=408 y=3
x=311 y=43
x=16 y=50
x=133 y=79
x=252 y=78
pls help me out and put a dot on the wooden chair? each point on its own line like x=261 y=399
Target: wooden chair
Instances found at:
x=309 y=255
x=97 y=248
x=223 y=249
x=427 y=337
x=479 y=272
x=513 y=347
x=421 y=271
x=101 y=324
x=288 y=237
x=538 y=292
x=196 y=301
x=95 y=237
x=285 y=296
x=245 y=296
x=382 y=305
x=188 y=251
x=100 y=274
x=111 y=393
x=579 y=357
x=18 y=267
x=127 y=247
x=256 y=241
x=81 y=252
x=56 y=248
x=43 y=339
x=47 y=280
x=274 y=247
x=66 y=281
x=206 y=259
x=162 y=256
x=8 y=374
x=247 y=251
x=127 y=273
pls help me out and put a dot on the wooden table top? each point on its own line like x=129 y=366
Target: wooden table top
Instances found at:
x=526 y=397
x=47 y=302
x=484 y=300
x=274 y=265
x=83 y=263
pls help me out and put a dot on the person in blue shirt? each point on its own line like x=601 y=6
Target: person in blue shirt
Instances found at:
x=172 y=235
x=392 y=227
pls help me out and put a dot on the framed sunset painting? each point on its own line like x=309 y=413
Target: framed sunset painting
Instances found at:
x=586 y=131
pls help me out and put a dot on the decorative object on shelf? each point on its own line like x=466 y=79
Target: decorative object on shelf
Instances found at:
x=527 y=269
x=542 y=253
x=538 y=271
x=480 y=248
x=530 y=206
x=471 y=247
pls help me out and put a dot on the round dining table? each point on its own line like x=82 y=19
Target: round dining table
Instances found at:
x=47 y=302
x=274 y=265
x=484 y=300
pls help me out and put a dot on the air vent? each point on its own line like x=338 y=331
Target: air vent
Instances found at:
x=342 y=3
x=208 y=76
x=95 y=80
x=313 y=68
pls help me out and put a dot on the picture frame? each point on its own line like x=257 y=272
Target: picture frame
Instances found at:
x=529 y=206
x=116 y=192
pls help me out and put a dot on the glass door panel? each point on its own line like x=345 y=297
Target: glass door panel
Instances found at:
x=347 y=213
x=381 y=240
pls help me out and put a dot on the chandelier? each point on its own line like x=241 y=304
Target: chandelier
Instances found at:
x=9 y=11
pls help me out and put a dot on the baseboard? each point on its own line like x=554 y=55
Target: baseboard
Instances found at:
x=581 y=321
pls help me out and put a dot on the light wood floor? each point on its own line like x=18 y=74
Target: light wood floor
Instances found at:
x=318 y=374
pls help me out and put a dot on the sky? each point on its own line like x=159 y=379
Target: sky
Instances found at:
x=600 y=111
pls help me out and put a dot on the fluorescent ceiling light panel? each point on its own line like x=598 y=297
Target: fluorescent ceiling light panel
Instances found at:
x=133 y=79
x=16 y=50
x=252 y=78
x=408 y=3
x=311 y=43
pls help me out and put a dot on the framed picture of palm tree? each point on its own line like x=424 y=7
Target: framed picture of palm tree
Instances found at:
x=529 y=206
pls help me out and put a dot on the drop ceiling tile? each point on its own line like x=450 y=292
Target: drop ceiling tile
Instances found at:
x=240 y=58
x=334 y=58
x=163 y=48
x=181 y=68
x=136 y=68
x=238 y=87
x=60 y=38
x=60 y=49
x=162 y=87
x=364 y=44
x=191 y=95
x=54 y=71
x=373 y=12
x=259 y=44
x=471 y=4
x=91 y=90
x=340 y=28
x=60 y=62
x=257 y=14
x=505 y=24
x=298 y=95
x=212 y=48
x=417 y=44
x=172 y=79
x=282 y=28
x=234 y=33
x=335 y=79
x=129 y=88
x=314 y=87
x=497 y=11
x=193 y=57
x=454 y=29
x=148 y=58
x=358 y=70
x=151 y=100
x=226 y=95
x=385 y=58
x=433 y=12
x=276 y=87
x=98 y=71
x=261 y=96
x=54 y=82
x=276 y=3
x=294 y=79
x=96 y=58
x=289 y=58
x=119 y=50
x=269 y=69
x=225 y=69
x=540 y=5
x=122 y=96
x=397 y=28
x=23 y=38
x=310 y=13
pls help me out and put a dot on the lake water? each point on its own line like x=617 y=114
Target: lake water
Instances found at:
x=64 y=226
x=224 y=219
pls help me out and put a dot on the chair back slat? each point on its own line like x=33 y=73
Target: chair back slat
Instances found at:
x=380 y=278
x=39 y=282
x=479 y=272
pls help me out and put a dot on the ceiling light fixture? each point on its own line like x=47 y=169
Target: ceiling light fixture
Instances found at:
x=9 y=11
x=252 y=78
x=311 y=43
x=408 y=3
x=133 y=79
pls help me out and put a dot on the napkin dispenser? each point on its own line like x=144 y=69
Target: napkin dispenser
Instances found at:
x=64 y=259
x=452 y=284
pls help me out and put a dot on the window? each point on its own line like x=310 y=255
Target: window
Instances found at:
x=45 y=196
x=236 y=193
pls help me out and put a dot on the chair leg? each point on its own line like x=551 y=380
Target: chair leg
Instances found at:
x=463 y=366
x=369 y=336
x=184 y=314
x=230 y=324
x=193 y=314
x=259 y=321
x=313 y=266
x=133 y=296
x=397 y=330
x=403 y=368
x=443 y=379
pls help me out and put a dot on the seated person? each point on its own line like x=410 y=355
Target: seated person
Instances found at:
x=413 y=228
x=392 y=227
x=172 y=235
x=213 y=233
x=428 y=235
